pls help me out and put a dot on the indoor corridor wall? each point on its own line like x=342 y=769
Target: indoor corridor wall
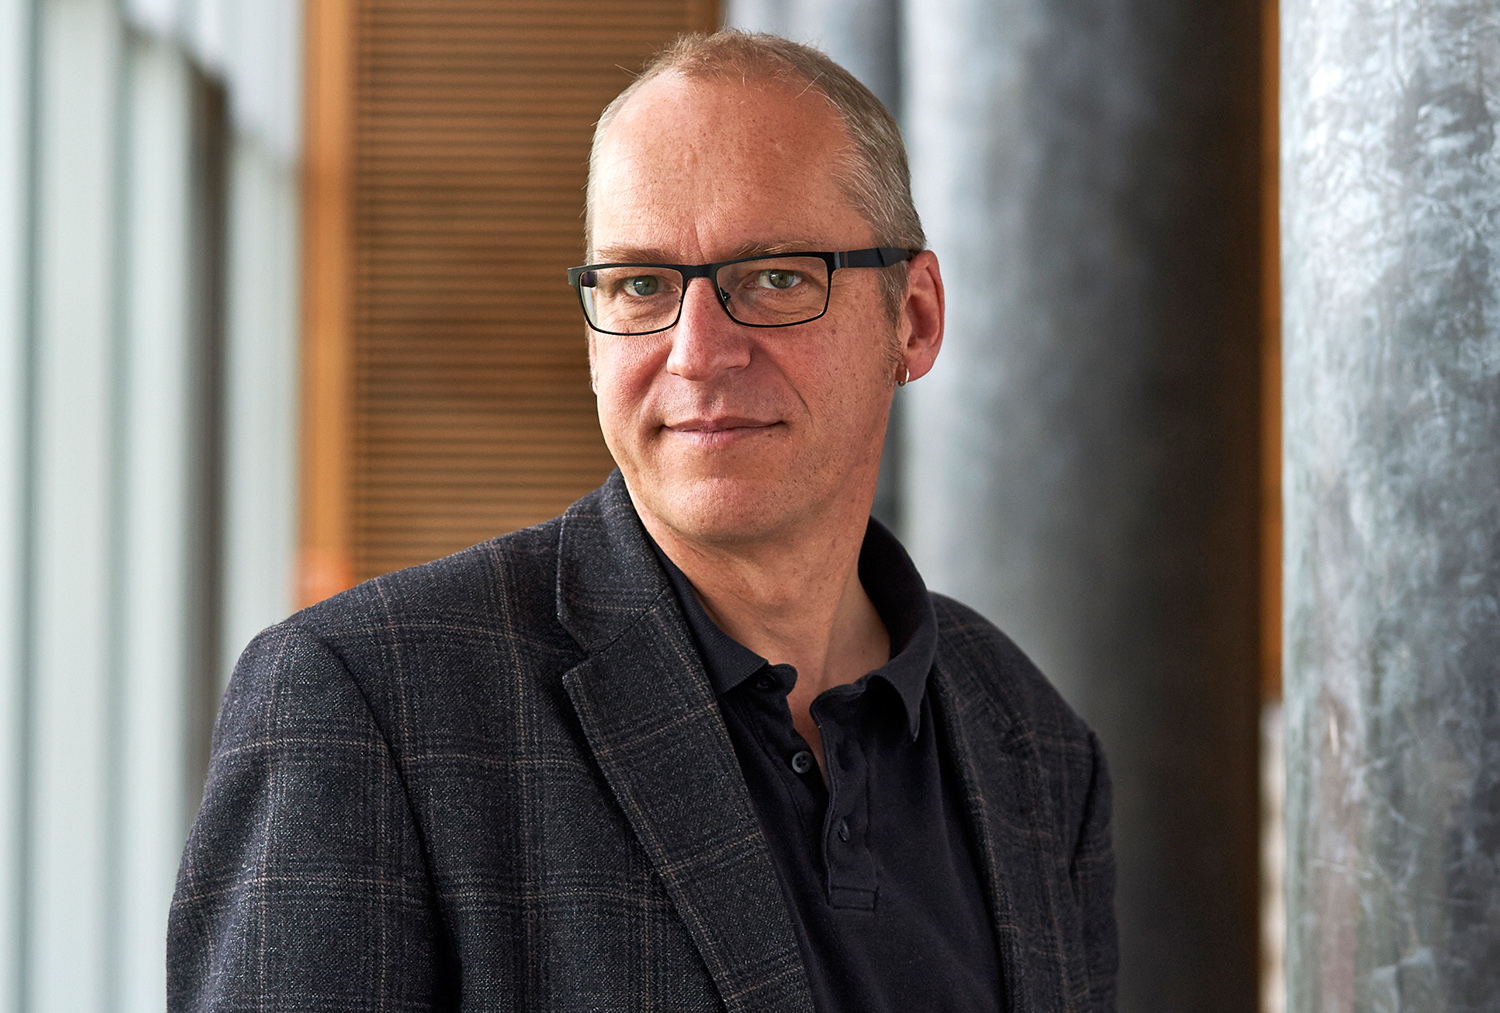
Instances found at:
x=147 y=384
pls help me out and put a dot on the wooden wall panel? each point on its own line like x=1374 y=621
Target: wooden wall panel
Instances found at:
x=469 y=407
x=324 y=564
x=1270 y=404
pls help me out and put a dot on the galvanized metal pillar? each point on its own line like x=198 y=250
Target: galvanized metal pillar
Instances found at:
x=1391 y=259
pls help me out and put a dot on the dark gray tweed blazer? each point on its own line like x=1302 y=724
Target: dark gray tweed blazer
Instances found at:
x=500 y=782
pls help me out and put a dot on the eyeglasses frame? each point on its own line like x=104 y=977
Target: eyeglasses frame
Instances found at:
x=878 y=256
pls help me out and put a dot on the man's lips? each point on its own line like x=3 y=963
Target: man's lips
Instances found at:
x=719 y=431
x=718 y=424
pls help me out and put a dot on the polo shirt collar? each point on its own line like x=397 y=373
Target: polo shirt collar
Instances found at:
x=894 y=587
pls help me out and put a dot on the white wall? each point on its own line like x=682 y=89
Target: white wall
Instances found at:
x=16 y=30
x=75 y=483
x=261 y=396
x=158 y=473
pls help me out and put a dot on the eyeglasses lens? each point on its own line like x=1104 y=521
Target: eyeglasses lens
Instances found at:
x=631 y=300
x=775 y=291
x=767 y=292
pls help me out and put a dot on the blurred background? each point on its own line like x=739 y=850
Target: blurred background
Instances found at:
x=282 y=307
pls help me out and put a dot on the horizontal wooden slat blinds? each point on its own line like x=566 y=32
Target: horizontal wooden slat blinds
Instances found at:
x=470 y=412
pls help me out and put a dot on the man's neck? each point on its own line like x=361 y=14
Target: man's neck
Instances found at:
x=797 y=600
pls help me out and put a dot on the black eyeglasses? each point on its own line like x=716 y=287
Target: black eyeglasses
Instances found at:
x=775 y=291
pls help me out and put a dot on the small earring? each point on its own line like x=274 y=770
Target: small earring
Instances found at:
x=905 y=376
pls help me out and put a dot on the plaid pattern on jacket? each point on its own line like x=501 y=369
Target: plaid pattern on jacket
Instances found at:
x=500 y=781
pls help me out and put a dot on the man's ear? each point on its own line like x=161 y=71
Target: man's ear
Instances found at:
x=922 y=314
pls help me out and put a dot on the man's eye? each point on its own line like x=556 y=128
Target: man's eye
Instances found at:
x=777 y=279
x=642 y=284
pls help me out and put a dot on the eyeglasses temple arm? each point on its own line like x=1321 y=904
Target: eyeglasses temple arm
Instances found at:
x=883 y=256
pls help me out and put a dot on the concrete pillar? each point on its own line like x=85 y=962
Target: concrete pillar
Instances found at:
x=1391 y=261
x=1082 y=463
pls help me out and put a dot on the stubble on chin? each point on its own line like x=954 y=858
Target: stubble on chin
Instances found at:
x=713 y=509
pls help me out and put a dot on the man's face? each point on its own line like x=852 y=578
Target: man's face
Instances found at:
x=728 y=433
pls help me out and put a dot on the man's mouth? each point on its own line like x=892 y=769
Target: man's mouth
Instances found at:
x=719 y=423
x=719 y=431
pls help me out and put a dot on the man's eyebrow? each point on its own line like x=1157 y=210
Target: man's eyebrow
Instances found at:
x=655 y=255
x=771 y=249
x=632 y=255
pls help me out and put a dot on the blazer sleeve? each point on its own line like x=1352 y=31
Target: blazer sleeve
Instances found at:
x=303 y=884
x=1092 y=870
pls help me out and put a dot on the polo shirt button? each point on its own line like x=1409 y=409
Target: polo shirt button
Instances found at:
x=802 y=761
x=764 y=683
x=844 y=830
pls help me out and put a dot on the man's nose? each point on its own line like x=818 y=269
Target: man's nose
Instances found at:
x=705 y=341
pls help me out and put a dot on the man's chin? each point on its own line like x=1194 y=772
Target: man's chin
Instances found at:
x=717 y=509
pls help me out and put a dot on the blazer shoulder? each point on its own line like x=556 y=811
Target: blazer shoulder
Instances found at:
x=426 y=644
x=977 y=648
x=508 y=581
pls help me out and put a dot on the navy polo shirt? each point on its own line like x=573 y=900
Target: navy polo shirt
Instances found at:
x=880 y=876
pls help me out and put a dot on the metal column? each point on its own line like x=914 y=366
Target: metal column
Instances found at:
x=1391 y=259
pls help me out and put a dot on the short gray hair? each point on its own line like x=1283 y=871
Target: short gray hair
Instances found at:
x=875 y=177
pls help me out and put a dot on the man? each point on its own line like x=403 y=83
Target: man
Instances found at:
x=704 y=741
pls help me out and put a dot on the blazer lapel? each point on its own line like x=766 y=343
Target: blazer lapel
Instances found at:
x=652 y=722
x=1026 y=876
